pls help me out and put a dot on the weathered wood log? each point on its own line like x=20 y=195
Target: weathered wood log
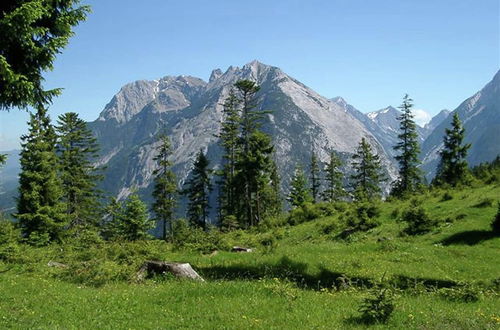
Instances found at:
x=56 y=264
x=241 y=249
x=180 y=270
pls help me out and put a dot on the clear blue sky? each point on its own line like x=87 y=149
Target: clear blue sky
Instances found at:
x=369 y=52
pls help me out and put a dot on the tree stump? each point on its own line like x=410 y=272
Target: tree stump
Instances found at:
x=180 y=270
x=241 y=249
x=56 y=264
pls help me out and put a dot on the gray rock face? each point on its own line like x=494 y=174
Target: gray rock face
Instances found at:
x=436 y=120
x=191 y=112
x=480 y=115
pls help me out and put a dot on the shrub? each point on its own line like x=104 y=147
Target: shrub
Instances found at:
x=485 y=202
x=463 y=293
x=378 y=307
x=309 y=211
x=418 y=220
x=362 y=218
x=495 y=225
x=446 y=196
x=196 y=239
x=9 y=234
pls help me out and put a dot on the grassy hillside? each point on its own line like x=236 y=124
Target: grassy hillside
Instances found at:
x=307 y=275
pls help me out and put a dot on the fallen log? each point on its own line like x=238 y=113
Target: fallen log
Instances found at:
x=240 y=249
x=180 y=270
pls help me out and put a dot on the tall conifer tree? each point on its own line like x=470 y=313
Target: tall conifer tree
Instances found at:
x=254 y=161
x=165 y=187
x=229 y=140
x=453 y=167
x=77 y=150
x=315 y=177
x=299 y=192
x=40 y=210
x=368 y=172
x=334 y=188
x=198 y=191
x=410 y=177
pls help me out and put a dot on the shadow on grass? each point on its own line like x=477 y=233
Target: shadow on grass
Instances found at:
x=471 y=237
x=287 y=269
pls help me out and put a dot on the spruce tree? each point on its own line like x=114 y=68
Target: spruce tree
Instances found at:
x=367 y=172
x=3 y=159
x=77 y=150
x=410 y=178
x=334 y=188
x=299 y=193
x=315 y=177
x=229 y=140
x=165 y=187
x=32 y=33
x=40 y=210
x=111 y=222
x=198 y=191
x=134 y=222
x=275 y=201
x=254 y=162
x=453 y=167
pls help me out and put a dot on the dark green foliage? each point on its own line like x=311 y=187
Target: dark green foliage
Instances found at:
x=410 y=178
x=110 y=227
x=3 y=159
x=485 y=202
x=9 y=239
x=195 y=239
x=77 y=150
x=229 y=140
x=447 y=196
x=361 y=217
x=315 y=178
x=40 y=210
x=134 y=222
x=453 y=168
x=418 y=220
x=165 y=186
x=334 y=189
x=378 y=307
x=198 y=191
x=368 y=172
x=32 y=32
x=254 y=161
x=299 y=193
x=488 y=172
x=309 y=211
x=495 y=225
x=463 y=293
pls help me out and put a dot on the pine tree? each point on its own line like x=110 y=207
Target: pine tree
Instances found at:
x=229 y=140
x=135 y=222
x=3 y=159
x=165 y=187
x=198 y=191
x=40 y=212
x=77 y=149
x=334 y=190
x=111 y=222
x=410 y=178
x=254 y=162
x=299 y=193
x=275 y=200
x=33 y=32
x=453 y=167
x=315 y=178
x=368 y=172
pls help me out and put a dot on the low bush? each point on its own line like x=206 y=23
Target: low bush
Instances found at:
x=378 y=307
x=463 y=293
x=485 y=202
x=417 y=220
x=446 y=196
x=310 y=211
x=195 y=239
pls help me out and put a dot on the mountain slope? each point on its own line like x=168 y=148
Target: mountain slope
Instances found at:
x=191 y=112
x=480 y=115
